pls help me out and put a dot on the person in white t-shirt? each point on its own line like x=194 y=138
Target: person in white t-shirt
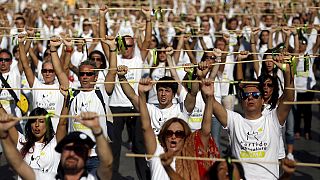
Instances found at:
x=74 y=149
x=256 y=136
x=175 y=137
x=51 y=100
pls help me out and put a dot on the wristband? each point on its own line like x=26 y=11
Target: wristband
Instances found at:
x=97 y=134
x=113 y=50
x=53 y=50
x=122 y=78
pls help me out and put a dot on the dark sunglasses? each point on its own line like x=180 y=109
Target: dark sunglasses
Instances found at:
x=79 y=150
x=96 y=58
x=268 y=85
x=255 y=95
x=178 y=134
x=47 y=71
x=5 y=59
x=86 y=73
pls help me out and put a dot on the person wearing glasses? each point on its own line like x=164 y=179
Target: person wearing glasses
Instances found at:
x=50 y=100
x=132 y=57
x=255 y=136
x=176 y=139
x=74 y=151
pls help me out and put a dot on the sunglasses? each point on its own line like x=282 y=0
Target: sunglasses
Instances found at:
x=5 y=59
x=255 y=95
x=47 y=71
x=269 y=85
x=178 y=134
x=79 y=150
x=96 y=58
x=86 y=73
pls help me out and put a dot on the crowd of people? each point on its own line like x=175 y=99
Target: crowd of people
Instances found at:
x=82 y=70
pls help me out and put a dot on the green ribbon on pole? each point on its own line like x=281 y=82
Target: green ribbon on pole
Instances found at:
x=293 y=64
x=306 y=63
x=38 y=35
x=154 y=55
x=121 y=45
x=190 y=75
x=70 y=92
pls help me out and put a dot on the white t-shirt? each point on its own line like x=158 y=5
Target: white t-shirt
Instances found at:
x=52 y=176
x=50 y=100
x=87 y=102
x=118 y=98
x=157 y=170
x=282 y=152
x=304 y=80
x=43 y=158
x=160 y=116
x=13 y=78
x=256 y=140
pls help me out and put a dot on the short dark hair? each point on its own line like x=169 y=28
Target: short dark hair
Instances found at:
x=90 y=63
x=21 y=18
x=172 y=85
x=6 y=51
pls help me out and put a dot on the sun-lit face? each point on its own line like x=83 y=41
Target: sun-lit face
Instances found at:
x=48 y=73
x=269 y=64
x=165 y=96
x=220 y=45
x=174 y=140
x=97 y=59
x=38 y=128
x=87 y=76
x=253 y=102
x=73 y=158
x=20 y=24
x=268 y=89
x=233 y=25
x=268 y=21
x=56 y=22
x=265 y=37
x=128 y=53
x=162 y=56
x=5 y=62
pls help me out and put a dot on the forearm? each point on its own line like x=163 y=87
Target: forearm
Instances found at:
x=63 y=121
x=104 y=153
x=62 y=77
x=103 y=32
x=129 y=92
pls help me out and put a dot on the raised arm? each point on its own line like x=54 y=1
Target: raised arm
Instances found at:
x=13 y=156
x=13 y=133
x=102 y=29
x=190 y=53
x=24 y=60
x=288 y=95
x=256 y=65
x=239 y=70
x=91 y=120
x=63 y=121
x=55 y=42
x=112 y=72
x=207 y=90
x=148 y=35
x=149 y=137
x=68 y=53
x=126 y=87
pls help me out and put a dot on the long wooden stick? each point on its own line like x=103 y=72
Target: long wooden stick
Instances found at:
x=221 y=159
x=45 y=89
x=302 y=102
x=305 y=90
x=182 y=81
x=120 y=8
x=77 y=116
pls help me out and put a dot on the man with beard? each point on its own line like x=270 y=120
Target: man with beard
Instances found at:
x=74 y=148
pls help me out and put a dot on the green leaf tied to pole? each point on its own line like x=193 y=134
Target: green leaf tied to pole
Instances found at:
x=120 y=44
x=50 y=114
x=190 y=75
x=293 y=64
x=38 y=35
x=70 y=93
x=305 y=27
x=154 y=55
x=306 y=63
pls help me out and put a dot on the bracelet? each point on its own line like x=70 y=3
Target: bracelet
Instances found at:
x=148 y=20
x=122 y=78
x=53 y=51
x=97 y=134
x=113 y=50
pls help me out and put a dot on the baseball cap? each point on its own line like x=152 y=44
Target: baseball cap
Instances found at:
x=75 y=137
